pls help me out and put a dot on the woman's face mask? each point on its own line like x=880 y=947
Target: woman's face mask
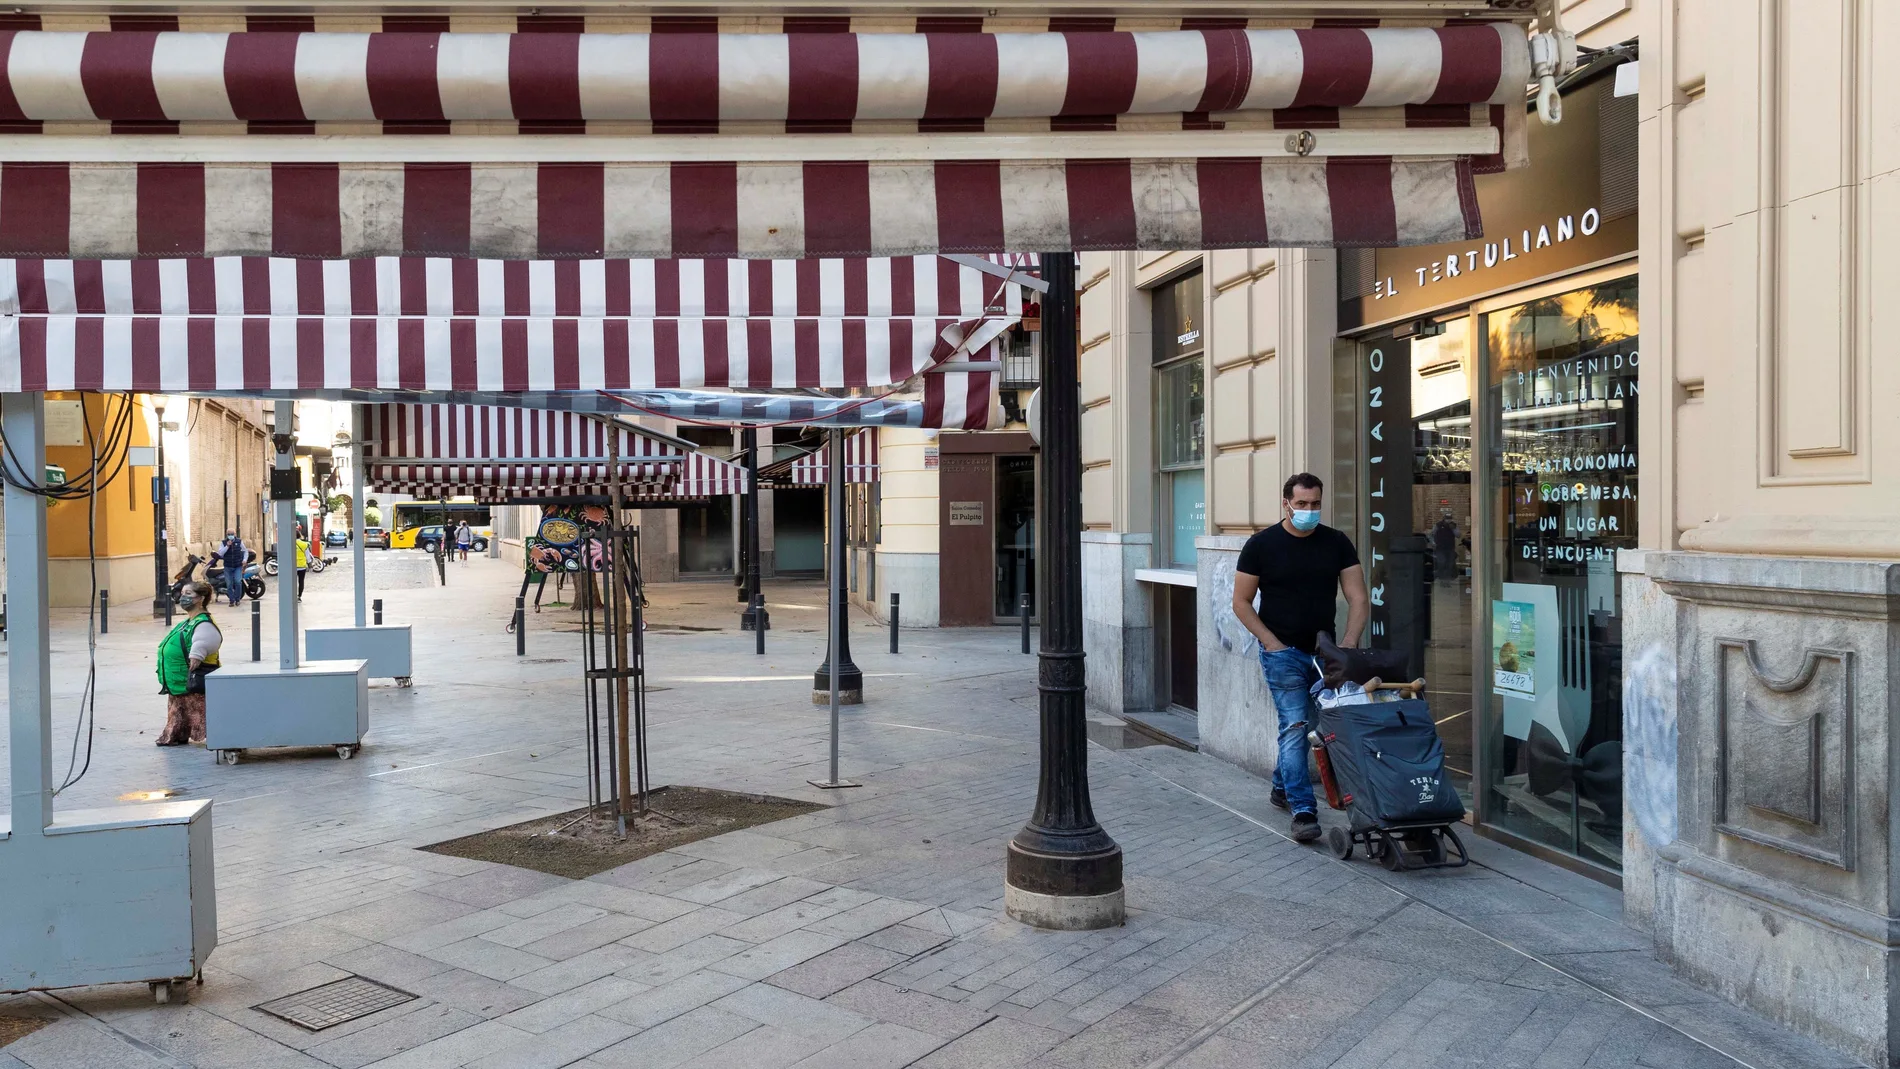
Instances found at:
x=188 y=599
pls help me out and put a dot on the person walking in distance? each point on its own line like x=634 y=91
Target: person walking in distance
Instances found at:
x=463 y=536
x=234 y=555
x=1297 y=567
x=303 y=563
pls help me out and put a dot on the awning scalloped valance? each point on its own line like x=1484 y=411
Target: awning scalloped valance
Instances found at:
x=766 y=210
x=497 y=453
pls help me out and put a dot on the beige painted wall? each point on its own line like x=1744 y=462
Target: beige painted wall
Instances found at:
x=1269 y=320
x=908 y=505
x=1770 y=144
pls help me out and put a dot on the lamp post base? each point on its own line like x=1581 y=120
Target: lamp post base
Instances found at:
x=1065 y=891
x=1065 y=913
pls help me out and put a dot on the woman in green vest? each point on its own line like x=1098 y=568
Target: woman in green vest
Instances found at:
x=186 y=654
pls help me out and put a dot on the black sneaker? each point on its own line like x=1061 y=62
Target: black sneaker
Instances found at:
x=1305 y=827
x=1278 y=798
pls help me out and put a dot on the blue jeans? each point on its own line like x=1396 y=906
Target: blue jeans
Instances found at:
x=1290 y=677
x=234 y=584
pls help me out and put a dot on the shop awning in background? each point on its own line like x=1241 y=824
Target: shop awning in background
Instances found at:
x=814 y=468
x=255 y=324
x=908 y=142
x=497 y=453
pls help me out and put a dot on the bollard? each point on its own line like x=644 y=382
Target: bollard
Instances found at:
x=521 y=627
x=257 y=630
x=758 y=633
x=377 y=607
x=1023 y=611
x=893 y=621
x=168 y=612
x=104 y=603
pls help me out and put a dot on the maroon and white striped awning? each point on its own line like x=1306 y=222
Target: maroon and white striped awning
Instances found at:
x=756 y=210
x=498 y=453
x=699 y=478
x=860 y=461
x=707 y=80
x=232 y=324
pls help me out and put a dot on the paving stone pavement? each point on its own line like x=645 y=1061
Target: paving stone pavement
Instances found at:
x=867 y=934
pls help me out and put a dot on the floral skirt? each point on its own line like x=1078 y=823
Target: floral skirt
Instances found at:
x=184 y=720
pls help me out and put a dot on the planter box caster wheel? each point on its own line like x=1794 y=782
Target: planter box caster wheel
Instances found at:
x=405 y=681
x=346 y=752
x=1340 y=842
x=165 y=992
x=227 y=757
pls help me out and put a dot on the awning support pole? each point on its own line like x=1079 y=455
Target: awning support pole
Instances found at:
x=29 y=679
x=754 y=618
x=620 y=615
x=357 y=521
x=286 y=513
x=835 y=595
x=1063 y=870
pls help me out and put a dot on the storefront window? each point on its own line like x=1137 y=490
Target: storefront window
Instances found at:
x=1562 y=397
x=1181 y=411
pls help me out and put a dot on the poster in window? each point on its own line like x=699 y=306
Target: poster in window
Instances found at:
x=1514 y=649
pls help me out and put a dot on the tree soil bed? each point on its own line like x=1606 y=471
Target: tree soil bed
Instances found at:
x=579 y=843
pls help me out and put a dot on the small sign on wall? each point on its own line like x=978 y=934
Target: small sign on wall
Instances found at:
x=966 y=513
x=930 y=458
x=65 y=423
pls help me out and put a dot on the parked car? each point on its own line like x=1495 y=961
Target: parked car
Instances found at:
x=336 y=537
x=375 y=536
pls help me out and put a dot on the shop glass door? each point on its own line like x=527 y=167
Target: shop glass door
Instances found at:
x=1561 y=391
x=1415 y=445
x=1015 y=535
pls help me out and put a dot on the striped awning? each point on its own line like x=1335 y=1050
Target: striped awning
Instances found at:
x=701 y=477
x=496 y=453
x=253 y=324
x=814 y=468
x=1080 y=137
x=711 y=79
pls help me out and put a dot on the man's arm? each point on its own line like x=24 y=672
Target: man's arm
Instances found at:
x=1358 y=604
x=1244 y=588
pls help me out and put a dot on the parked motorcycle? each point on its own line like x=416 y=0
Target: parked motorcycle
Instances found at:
x=214 y=569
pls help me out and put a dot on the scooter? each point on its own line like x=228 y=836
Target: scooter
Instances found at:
x=214 y=574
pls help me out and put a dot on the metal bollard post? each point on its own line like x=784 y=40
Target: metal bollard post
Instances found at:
x=257 y=630
x=1023 y=611
x=104 y=604
x=758 y=633
x=521 y=628
x=893 y=621
x=377 y=607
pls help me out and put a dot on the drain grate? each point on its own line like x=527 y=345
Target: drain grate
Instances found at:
x=335 y=1003
x=543 y=660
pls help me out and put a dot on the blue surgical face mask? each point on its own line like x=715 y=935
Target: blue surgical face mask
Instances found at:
x=1305 y=519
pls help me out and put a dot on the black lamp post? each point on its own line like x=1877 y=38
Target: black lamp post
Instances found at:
x=754 y=618
x=1063 y=871
x=850 y=678
x=161 y=553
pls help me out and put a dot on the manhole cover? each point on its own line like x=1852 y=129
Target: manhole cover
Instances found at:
x=335 y=1002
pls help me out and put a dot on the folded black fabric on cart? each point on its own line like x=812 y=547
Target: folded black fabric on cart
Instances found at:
x=1338 y=665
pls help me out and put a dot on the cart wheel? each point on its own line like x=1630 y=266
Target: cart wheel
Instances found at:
x=1390 y=855
x=161 y=991
x=199 y=977
x=1434 y=847
x=1341 y=844
x=227 y=757
x=405 y=681
x=346 y=752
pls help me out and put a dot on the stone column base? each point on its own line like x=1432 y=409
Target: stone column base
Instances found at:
x=1065 y=913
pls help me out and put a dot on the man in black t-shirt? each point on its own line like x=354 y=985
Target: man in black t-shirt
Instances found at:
x=1297 y=567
